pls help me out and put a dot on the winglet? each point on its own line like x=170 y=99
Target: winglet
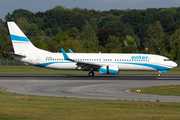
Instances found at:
x=65 y=55
x=70 y=51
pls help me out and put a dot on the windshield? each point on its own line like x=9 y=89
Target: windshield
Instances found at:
x=166 y=59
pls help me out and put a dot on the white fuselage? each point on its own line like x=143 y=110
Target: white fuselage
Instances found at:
x=129 y=61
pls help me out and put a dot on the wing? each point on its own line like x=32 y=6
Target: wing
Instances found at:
x=81 y=64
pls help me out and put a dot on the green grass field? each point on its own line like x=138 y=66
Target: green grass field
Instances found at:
x=38 y=70
x=172 y=90
x=25 y=107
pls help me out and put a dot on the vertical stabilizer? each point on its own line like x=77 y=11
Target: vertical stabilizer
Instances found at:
x=21 y=43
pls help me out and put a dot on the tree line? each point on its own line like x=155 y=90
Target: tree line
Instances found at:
x=154 y=30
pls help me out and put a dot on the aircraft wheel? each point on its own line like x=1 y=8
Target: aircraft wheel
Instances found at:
x=91 y=74
x=159 y=75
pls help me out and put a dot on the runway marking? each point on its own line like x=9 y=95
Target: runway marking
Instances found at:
x=20 y=91
x=170 y=78
x=34 y=91
x=69 y=87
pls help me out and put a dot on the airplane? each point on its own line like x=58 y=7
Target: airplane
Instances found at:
x=105 y=63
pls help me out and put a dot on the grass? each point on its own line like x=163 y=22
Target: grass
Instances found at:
x=35 y=70
x=27 y=107
x=38 y=70
x=172 y=90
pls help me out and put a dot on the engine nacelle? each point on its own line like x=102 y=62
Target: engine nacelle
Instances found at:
x=109 y=70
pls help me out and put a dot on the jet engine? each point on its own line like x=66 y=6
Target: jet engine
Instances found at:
x=109 y=70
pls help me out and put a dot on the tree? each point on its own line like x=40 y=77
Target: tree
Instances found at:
x=103 y=22
x=109 y=17
x=58 y=18
x=173 y=27
x=4 y=37
x=129 y=49
x=33 y=29
x=1 y=21
x=172 y=54
x=7 y=49
x=104 y=33
x=50 y=44
x=115 y=25
x=166 y=22
x=78 y=21
x=89 y=34
x=89 y=46
x=23 y=24
x=1 y=47
x=175 y=41
x=93 y=23
x=113 y=45
x=20 y=13
x=130 y=40
x=73 y=32
x=55 y=31
x=61 y=36
x=154 y=36
x=128 y=30
x=75 y=45
x=8 y=17
x=40 y=44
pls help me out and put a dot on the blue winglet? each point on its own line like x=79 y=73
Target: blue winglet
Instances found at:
x=70 y=50
x=65 y=55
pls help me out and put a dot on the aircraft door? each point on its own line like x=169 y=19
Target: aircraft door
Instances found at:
x=37 y=60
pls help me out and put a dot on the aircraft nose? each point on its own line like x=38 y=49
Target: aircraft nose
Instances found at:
x=173 y=64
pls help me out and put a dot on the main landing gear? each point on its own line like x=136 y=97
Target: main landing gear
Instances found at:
x=91 y=73
x=159 y=74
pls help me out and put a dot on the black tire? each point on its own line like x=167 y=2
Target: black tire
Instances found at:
x=90 y=74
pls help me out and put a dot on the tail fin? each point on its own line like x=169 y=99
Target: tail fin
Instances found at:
x=21 y=43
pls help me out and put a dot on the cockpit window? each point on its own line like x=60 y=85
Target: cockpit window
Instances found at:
x=166 y=59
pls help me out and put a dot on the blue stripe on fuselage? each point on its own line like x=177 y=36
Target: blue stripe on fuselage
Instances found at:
x=19 y=38
x=157 y=67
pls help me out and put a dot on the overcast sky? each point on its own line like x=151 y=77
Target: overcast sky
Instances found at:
x=43 y=5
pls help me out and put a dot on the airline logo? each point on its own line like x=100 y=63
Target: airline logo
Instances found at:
x=139 y=57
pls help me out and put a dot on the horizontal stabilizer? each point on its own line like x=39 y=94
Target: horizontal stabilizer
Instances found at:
x=14 y=54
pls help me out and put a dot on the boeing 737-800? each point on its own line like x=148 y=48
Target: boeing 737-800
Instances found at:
x=106 y=63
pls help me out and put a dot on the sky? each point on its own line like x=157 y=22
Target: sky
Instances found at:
x=102 y=5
